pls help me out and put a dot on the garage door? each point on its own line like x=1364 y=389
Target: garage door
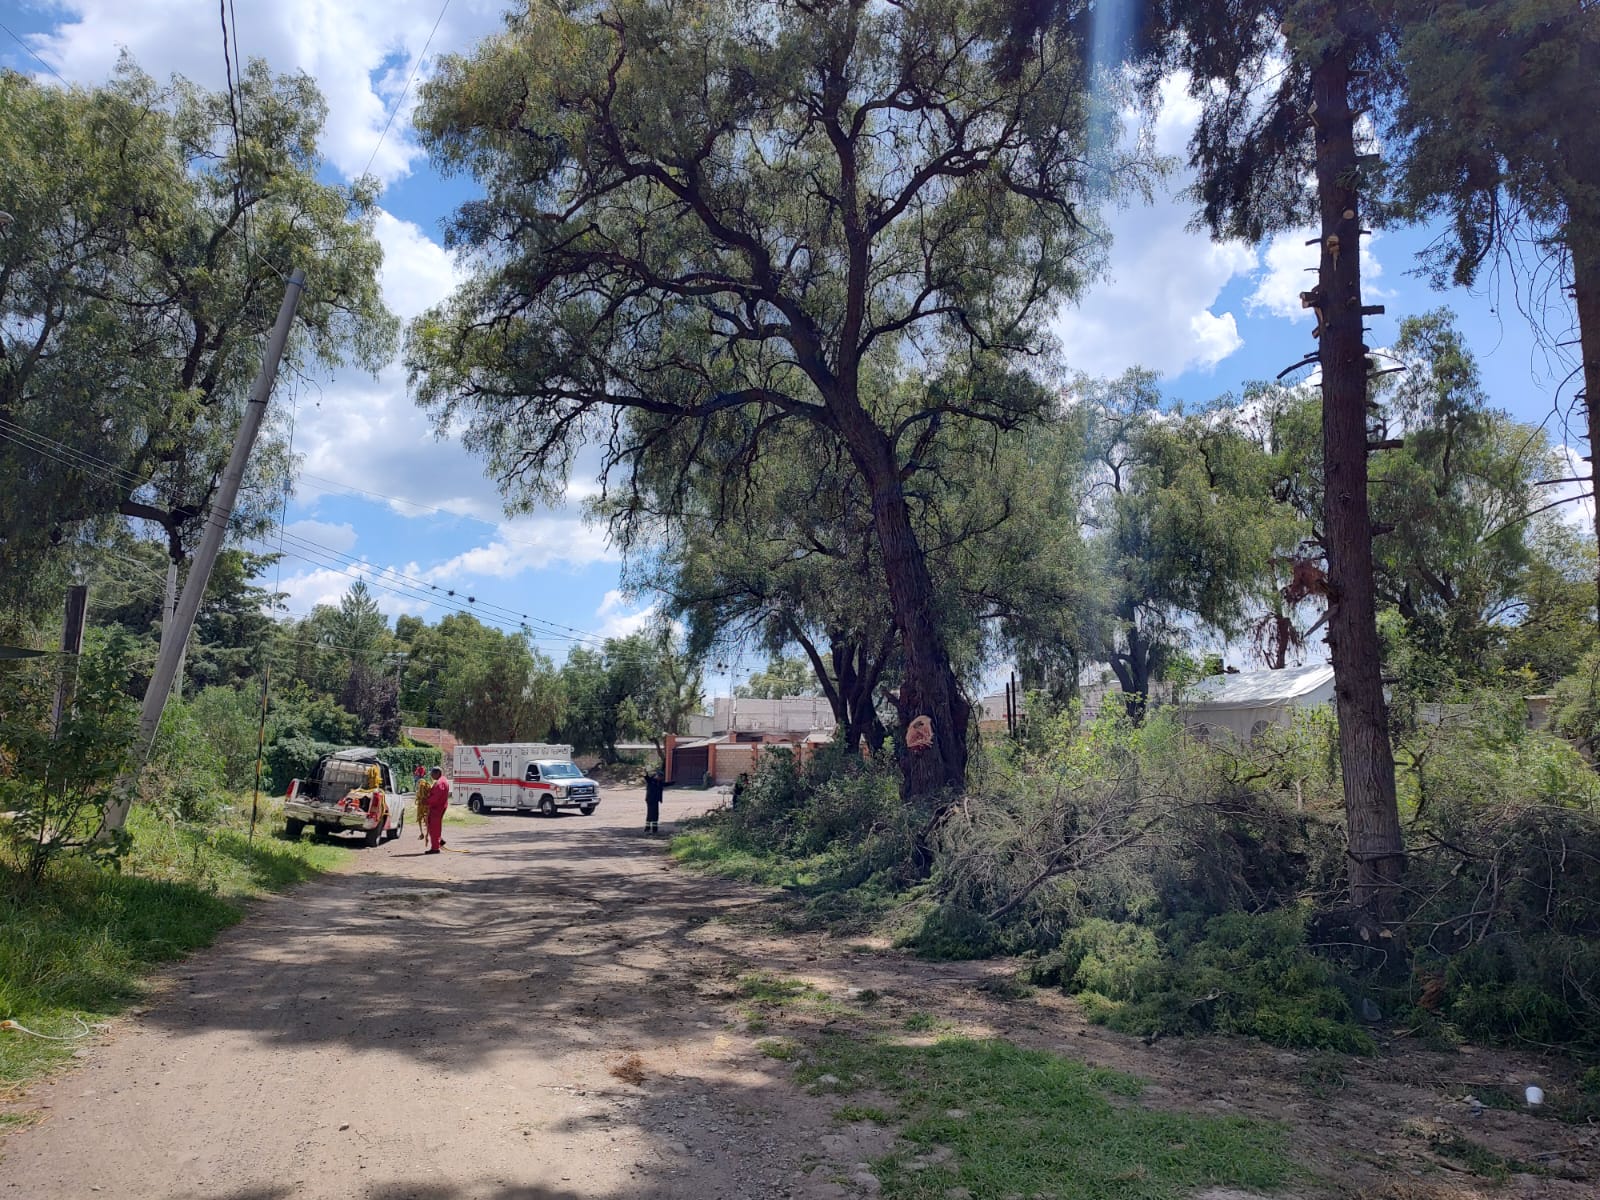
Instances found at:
x=689 y=765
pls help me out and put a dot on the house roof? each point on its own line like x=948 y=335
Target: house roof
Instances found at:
x=1260 y=689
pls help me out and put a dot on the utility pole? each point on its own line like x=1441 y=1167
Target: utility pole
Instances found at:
x=194 y=587
x=168 y=611
x=71 y=650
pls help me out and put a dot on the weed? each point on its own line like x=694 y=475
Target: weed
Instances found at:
x=920 y=1022
x=862 y=1112
x=779 y=1048
x=1478 y=1158
x=1024 y=1122
x=630 y=1070
x=766 y=988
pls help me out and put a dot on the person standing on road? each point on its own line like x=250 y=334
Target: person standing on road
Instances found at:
x=422 y=785
x=654 y=785
x=438 y=802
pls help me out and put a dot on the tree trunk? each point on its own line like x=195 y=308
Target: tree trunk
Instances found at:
x=1586 y=295
x=1375 y=847
x=1133 y=672
x=929 y=687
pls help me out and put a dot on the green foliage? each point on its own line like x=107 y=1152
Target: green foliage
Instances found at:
x=1023 y=1122
x=295 y=758
x=80 y=944
x=229 y=721
x=403 y=760
x=56 y=780
x=1241 y=973
x=185 y=776
x=296 y=711
x=511 y=694
x=1185 y=522
x=133 y=309
x=954 y=933
x=783 y=677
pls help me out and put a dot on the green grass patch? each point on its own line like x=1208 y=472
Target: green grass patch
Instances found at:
x=1022 y=1122
x=862 y=1112
x=77 y=948
x=463 y=816
x=1482 y=1161
x=920 y=1022
x=763 y=987
x=706 y=851
x=781 y=1049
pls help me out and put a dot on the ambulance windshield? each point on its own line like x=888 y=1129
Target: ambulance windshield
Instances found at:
x=559 y=770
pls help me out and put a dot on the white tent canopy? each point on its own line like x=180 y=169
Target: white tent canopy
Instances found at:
x=1245 y=703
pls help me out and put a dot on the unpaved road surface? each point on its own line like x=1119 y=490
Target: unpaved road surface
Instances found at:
x=437 y=1027
x=555 y=1013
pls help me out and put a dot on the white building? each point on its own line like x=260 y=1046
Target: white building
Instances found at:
x=1244 y=704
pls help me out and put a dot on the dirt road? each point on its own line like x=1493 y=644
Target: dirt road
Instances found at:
x=438 y=1027
x=557 y=1013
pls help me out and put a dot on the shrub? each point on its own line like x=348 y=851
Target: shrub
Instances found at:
x=295 y=758
x=1237 y=973
x=56 y=780
x=184 y=779
x=403 y=760
x=229 y=721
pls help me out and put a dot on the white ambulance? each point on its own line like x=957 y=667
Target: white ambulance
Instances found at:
x=527 y=776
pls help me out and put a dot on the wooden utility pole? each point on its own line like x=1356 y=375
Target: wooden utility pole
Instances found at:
x=71 y=649
x=194 y=587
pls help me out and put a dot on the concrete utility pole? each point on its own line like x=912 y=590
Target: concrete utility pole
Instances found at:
x=194 y=587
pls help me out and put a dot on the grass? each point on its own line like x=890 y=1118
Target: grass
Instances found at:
x=707 y=852
x=462 y=816
x=78 y=948
x=1023 y=1122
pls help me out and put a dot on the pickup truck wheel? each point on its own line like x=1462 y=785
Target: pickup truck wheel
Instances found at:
x=547 y=806
x=292 y=829
x=398 y=826
x=374 y=837
x=587 y=810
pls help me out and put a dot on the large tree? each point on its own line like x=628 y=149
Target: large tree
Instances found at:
x=1183 y=524
x=708 y=214
x=138 y=278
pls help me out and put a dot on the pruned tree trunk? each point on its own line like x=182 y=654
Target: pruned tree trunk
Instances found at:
x=1375 y=847
x=1586 y=296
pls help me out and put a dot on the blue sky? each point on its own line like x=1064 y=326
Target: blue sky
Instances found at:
x=1209 y=317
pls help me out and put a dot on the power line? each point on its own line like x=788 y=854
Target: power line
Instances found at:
x=415 y=67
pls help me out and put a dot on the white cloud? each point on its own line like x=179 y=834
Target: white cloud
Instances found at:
x=417 y=271
x=339 y=538
x=610 y=603
x=1579 y=513
x=528 y=544
x=621 y=624
x=1154 y=309
x=360 y=55
x=305 y=589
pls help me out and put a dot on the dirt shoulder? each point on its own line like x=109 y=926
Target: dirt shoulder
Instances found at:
x=555 y=1011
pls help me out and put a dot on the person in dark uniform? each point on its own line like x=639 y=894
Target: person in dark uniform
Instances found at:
x=654 y=785
x=739 y=786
